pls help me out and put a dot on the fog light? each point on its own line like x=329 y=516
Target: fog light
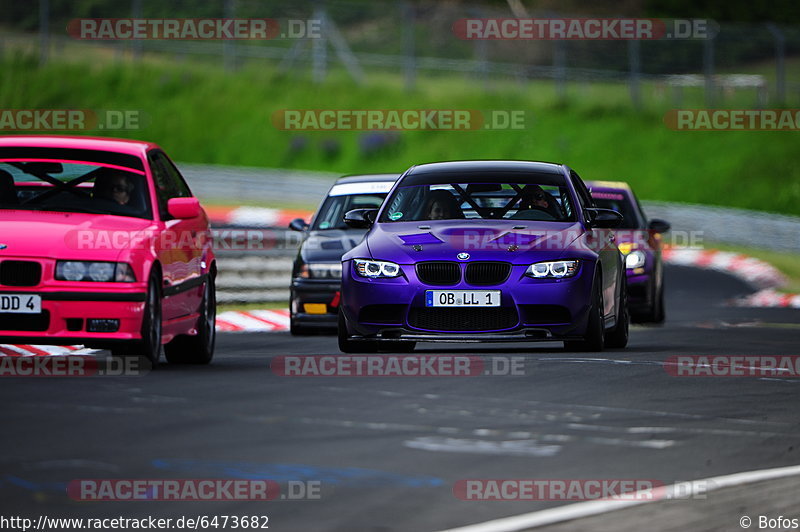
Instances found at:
x=102 y=325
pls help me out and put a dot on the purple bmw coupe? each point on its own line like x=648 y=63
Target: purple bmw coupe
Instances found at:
x=484 y=251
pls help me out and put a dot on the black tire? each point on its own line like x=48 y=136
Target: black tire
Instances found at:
x=593 y=341
x=346 y=345
x=659 y=314
x=294 y=328
x=298 y=330
x=655 y=314
x=149 y=347
x=198 y=349
x=617 y=337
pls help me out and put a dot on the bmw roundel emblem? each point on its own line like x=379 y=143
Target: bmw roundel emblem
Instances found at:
x=3 y=246
x=463 y=256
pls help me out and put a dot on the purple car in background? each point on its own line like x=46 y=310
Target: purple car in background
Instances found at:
x=639 y=240
x=484 y=251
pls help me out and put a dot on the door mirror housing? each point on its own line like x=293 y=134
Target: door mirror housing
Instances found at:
x=298 y=224
x=602 y=218
x=360 y=218
x=658 y=226
x=184 y=208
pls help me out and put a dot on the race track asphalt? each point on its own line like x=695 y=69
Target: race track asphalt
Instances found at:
x=386 y=452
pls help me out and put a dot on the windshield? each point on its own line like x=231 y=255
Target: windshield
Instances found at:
x=453 y=201
x=331 y=214
x=617 y=201
x=73 y=187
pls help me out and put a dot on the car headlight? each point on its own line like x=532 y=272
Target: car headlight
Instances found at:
x=376 y=268
x=635 y=259
x=99 y=272
x=553 y=270
x=321 y=270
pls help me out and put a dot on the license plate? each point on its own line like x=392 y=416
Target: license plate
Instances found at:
x=20 y=304
x=462 y=298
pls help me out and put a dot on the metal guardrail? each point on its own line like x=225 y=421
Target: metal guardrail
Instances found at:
x=264 y=275
x=245 y=184
x=731 y=226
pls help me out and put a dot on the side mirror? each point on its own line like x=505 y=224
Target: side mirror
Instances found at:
x=184 y=208
x=658 y=226
x=602 y=218
x=298 y=224
x=360 y=218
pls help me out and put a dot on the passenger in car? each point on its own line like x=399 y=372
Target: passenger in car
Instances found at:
x=442 y=205
x=115 y=186
x=534 y=197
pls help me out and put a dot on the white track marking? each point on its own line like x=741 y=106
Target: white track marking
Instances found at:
x=590 y=508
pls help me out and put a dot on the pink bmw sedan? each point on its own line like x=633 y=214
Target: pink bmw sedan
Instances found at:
x=103 y=244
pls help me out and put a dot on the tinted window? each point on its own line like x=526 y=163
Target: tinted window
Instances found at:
x=73 y=187
x=616 y=201
x=169 y=183
x=331 y=214
x=584 y=197
x=544 y=202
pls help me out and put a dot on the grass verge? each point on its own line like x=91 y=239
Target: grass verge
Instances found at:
x=787 y=263
x=203 y=114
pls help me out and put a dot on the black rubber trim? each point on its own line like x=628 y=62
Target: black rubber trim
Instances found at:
x=82 y=296
x=184 y=286
x=73 y=154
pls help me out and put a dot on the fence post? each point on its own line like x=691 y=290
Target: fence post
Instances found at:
x=635 y=61
x=560 y=69
x=228 y=46
x=780 y=63
x=136 y=13
x=44 y=31
x=409 y=26
x=319 y=46
x=481 y=51
x=708 y=70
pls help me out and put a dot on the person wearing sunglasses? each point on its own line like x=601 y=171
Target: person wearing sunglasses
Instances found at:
x=115 y=186
x=534 y=197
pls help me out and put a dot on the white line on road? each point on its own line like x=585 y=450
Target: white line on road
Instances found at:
x=589 y=508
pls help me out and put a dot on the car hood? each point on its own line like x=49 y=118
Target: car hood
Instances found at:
x=506 y=240
x=69 y=235
x=330 y=245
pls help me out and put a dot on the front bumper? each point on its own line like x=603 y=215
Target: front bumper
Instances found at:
x=530 y=309
x=65 y=317
x=640 y=291
x=315 y=292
